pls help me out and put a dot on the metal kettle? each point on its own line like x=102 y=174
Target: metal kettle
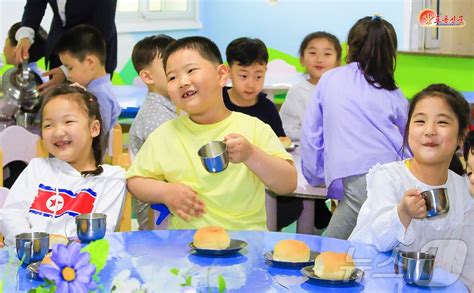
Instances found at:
x=19 y=90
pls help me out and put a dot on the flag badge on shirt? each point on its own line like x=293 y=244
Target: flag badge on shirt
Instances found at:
x=51 y=202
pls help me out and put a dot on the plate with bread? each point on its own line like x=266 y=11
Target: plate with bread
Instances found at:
x=287 y=143
x=333 y=268
x=291 y=253
x=213 y=240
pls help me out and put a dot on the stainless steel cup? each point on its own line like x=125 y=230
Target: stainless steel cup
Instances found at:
x=31 y=247
x=214 y=156
x=437 y=202
x=417 y=267
x=91 y=227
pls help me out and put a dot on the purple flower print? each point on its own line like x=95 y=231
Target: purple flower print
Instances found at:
x=71 y=271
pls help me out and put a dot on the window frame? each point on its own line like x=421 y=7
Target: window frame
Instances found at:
x=145 y=21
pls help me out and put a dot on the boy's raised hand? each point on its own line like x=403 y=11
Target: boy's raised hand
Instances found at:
x=183 y=201
x=412 y=206
x=238 y=148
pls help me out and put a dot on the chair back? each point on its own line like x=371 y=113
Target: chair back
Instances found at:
x=125 y=225
x=115 y=145
x=3 y=195
x=18 y=144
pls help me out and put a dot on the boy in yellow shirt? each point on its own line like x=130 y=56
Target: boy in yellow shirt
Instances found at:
x=168 y=170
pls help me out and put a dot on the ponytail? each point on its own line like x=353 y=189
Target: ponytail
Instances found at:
x=372 y=43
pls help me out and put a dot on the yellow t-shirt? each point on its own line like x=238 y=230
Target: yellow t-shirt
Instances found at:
x=234 y=198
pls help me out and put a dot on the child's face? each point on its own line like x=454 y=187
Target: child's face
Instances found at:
x=80 y=72
x=469 y=171
x=247 y=81
x=9 y=52
x=158 y=76
x=433 y=132
x=194 y=83
x=318 y=57
x=67 y=131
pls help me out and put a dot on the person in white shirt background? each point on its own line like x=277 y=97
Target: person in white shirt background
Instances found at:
x=394 y=214
x=319 y=52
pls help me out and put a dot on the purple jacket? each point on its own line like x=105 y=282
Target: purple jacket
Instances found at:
x=349 y=127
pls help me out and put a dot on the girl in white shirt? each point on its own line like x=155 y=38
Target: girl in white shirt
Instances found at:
x=50 y=192
x=394 y=214
x=319 y=52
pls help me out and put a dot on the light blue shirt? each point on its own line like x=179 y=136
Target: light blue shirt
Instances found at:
x=349 y=127
x=109 y=107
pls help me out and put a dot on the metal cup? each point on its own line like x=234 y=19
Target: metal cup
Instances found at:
x=31 y=247
x=437 y=202
x=214 y=156
x=91 y=227
x=417 y=267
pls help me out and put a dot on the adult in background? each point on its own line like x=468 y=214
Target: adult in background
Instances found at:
x=66 y=14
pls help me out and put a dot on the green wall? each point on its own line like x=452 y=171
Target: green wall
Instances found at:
x=413 y=72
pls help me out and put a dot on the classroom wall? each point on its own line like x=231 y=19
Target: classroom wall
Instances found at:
x=283 y=26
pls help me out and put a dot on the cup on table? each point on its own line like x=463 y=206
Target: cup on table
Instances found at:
x=31 y=247
x=214 y=156
x=437 y=202
x=91 y=227
x=417 y=267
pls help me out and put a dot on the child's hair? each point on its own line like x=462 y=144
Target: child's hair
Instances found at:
x=468 y=145
x=146 y=50
x=82 y=40
x=321 y=35
x=37 y=49
x=204 y=46
x=246 y=51
x=88 y=102
x=458 y=105
x=372 y=42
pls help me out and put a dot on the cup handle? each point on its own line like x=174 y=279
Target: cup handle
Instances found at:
x=27 y=248
x=396 y=252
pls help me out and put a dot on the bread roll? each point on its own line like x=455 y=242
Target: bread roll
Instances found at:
x=47 y=259
x=285 y=141
x=333 y=266
x=57 y=239
x=291 y=251
x=211 y=237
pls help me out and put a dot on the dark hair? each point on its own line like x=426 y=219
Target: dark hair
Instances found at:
x=146 y=50
x=82 y=40
x=88 y=102
x=372 y=43
x=321 y=35
x=455 y=101
x=246 y=51
x=37 y=49
x=468 y=145
x=204 y=46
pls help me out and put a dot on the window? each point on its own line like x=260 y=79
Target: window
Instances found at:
x=157 y=15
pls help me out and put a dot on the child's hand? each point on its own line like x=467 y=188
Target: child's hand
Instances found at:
x=183 y=201
x=238 y=148
x=412 y=206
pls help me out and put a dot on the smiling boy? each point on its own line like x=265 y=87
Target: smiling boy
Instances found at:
x=170 y=171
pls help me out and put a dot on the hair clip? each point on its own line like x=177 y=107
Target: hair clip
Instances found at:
x=78 y=85
x=376 y=16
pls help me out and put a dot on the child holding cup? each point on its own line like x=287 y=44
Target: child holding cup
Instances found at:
x=50 y=192
x=395 y=213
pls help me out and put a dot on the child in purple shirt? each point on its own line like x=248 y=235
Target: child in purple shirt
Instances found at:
x=356 y=119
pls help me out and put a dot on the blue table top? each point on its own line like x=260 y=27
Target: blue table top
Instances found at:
x=151 y=256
